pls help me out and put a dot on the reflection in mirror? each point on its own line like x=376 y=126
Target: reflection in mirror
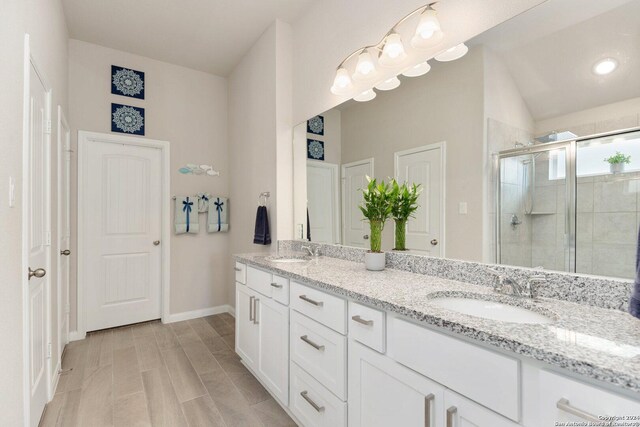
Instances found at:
x=525 y=147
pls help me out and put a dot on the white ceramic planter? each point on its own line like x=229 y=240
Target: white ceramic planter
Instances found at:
x=374 y=261
x=617 y=167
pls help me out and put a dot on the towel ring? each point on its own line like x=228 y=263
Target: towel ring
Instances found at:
x=264 y=195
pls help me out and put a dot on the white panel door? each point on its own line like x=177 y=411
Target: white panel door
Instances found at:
x=38 y=242
x=423 y=166
x=121 y=229
x=354 y=179
x=322 y=195
x=273 y=352
x=64 y=232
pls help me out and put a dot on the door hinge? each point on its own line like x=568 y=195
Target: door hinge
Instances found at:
x=47 y=127
x=49 y=351
x=47 y=238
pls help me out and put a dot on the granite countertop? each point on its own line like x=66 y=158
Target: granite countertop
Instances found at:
x=598 y=343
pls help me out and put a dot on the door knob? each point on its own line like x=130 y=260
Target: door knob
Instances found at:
x=365 y=237
x=156 y=242
x=38 y=272
x=66 y=252
x=434 y=242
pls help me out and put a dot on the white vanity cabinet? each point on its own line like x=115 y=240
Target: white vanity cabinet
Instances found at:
x=262 y=329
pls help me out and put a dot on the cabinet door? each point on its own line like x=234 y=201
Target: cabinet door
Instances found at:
x=384 y=393
x=462 y=412
x=273 y=359
x=246 y=326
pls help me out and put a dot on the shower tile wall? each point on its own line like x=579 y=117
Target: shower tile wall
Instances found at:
x=607 y=221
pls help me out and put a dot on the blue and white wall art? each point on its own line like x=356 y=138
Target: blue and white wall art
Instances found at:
x=127 y=119
x=315 y=125
x=315 y=149
x=127 y=82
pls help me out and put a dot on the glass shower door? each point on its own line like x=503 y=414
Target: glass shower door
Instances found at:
x=534 y=209
x=608 y=205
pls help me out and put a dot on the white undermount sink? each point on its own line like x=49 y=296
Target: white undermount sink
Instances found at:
x=491 y=310
x=285 y=259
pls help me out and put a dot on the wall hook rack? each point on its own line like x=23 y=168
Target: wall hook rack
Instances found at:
x=262 y=198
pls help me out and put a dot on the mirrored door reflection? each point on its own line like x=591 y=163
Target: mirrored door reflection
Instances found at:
x=534 y=229
x=608 y=205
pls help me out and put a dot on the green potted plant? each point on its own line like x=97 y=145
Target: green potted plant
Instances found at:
x=404 y=204
x=617 y=162
x=376 y=208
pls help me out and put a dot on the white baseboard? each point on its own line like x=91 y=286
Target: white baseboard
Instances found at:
x=54 y=381
x=194 y=314
x=76 y=336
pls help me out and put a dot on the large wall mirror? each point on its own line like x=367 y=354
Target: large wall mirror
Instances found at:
x=509 y=143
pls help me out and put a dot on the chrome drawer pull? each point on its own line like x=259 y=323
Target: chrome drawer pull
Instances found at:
x=564 y=405
x=311 y=343
x=251 y=306
x=237 y=269
x=255 y=310
x=360 y=320
x=428 y=399
x=450 y=415
x=276 y=285
x=305 y=396
x=310 y=301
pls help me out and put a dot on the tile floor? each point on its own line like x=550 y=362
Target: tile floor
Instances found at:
x=150 y=374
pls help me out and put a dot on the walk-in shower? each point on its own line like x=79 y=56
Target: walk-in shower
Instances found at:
x=562 y=206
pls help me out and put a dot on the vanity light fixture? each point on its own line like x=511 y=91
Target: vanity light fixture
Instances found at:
x=417 y=70
x=365 y=96
x=342 y=84
x=365 y=69
x=453 y=53
x=391 y=50
x=428 y=32
x=605 y=66
x=389 y=84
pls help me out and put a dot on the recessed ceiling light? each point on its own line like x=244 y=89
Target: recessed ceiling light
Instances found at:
x=605 y=66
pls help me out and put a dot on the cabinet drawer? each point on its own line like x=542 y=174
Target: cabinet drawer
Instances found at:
x=241 y=272
x=327 y=309
x=578 y=401
x=489 y=378
x=280 y=289
x=367 y=325
x=259 y=280
x=320 y=351
x=313 y=404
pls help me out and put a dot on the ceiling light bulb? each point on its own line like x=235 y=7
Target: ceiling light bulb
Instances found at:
x=342 y=84
x=605 y=66
x=365 y=69
x=393 y=51
x=389 y=84
x=417 y=70
x=453 y=53
x=428 y=32
x=365 y=96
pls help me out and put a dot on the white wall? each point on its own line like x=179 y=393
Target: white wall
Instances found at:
x=188 y=108
x=444 y=105
x=44 y=21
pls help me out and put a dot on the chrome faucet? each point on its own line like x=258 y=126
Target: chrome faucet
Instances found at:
x=312 y=252
x=507 y=286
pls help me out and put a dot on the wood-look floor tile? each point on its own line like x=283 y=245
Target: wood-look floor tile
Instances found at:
x=228 y=318
x=215 y=320
x=181 y=328
x=131 y=411
x=249 y=386
x=184 y=378
x=216 y=345
x=73 y=367
x=165 y=337
x=224 y=329
x=199 y=355
x=142 y=329
x=230 y=340
x=233 y=407
x=100 y=349
x=148 y=352
x=96 y=400
x=202 y=412
x=272 y=415
x=126 y=372
x=62 y=411
x=230 y=362
x=163 y=404
x=122 y=337
x=203 y=328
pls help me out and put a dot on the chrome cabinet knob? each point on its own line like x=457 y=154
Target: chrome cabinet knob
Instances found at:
x=38 y=272
x=365 y=237
x=66 y=252
x=156 y=242
x=434 y=242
